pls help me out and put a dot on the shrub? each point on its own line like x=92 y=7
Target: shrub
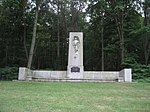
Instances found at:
x=8 y=73
x=143 y=80
x=140 y=72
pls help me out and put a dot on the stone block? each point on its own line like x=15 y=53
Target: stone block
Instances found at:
x=126 y=74
x=22 y=73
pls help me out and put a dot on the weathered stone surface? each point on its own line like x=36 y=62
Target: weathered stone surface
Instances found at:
x=22 y=73
x=126 y=74
x=75 y=58
x=88 y=76
x=49 y=74
x=101 y=75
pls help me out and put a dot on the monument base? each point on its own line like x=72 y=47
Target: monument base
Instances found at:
x=26 y=74
x=75 y=72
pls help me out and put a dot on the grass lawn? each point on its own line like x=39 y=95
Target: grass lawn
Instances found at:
x=74 y=97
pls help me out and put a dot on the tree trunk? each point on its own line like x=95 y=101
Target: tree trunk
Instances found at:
x=75 y=14
x=6 y=56
x=102 y=41
x=122 y=41
x=24 y=2
x=146 y=35
x=58 y=32
x=64 y=61
x=34 y=36
x=24 y=36
x=120 y=29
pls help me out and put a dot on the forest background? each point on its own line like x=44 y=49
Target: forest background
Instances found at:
x=34 y=34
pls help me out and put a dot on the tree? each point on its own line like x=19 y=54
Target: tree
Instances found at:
x=110 y=35
x=11 y=33
x=146 y=8
x=117 y=31
x=120 y=13
x=34 y=35
x=76 y=7
x=24 y=4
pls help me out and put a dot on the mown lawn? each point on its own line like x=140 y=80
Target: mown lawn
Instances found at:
x=74 y=97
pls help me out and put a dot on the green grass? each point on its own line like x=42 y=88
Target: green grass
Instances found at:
x=74 y=97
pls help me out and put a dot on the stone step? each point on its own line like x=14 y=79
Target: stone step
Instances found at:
x=74 y=80
x=121 y=79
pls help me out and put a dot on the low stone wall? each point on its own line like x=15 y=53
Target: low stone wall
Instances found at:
x=100 y=75
x=49 y=74
x=35 y=75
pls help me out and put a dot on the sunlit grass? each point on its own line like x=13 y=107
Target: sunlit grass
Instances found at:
x=74 y=97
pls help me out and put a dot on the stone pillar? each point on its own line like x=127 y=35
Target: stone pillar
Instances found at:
x=126 y=74
x=22 y=73
x=75 y=67
x=25 y=74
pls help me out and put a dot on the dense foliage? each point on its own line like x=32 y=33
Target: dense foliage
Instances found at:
x=8 y=73
x=116 y=34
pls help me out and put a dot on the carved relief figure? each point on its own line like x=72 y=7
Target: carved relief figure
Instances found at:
x=76 y=43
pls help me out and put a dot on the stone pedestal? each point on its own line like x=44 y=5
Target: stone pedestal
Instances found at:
x=126 y=74
x=25 y=74
x=75 y=68
x=22 y=73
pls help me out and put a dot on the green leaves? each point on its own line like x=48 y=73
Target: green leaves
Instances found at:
x=17 y=23
x=8 y=73
x=119 y=8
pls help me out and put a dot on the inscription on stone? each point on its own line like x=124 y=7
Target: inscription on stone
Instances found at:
x=75 y=69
